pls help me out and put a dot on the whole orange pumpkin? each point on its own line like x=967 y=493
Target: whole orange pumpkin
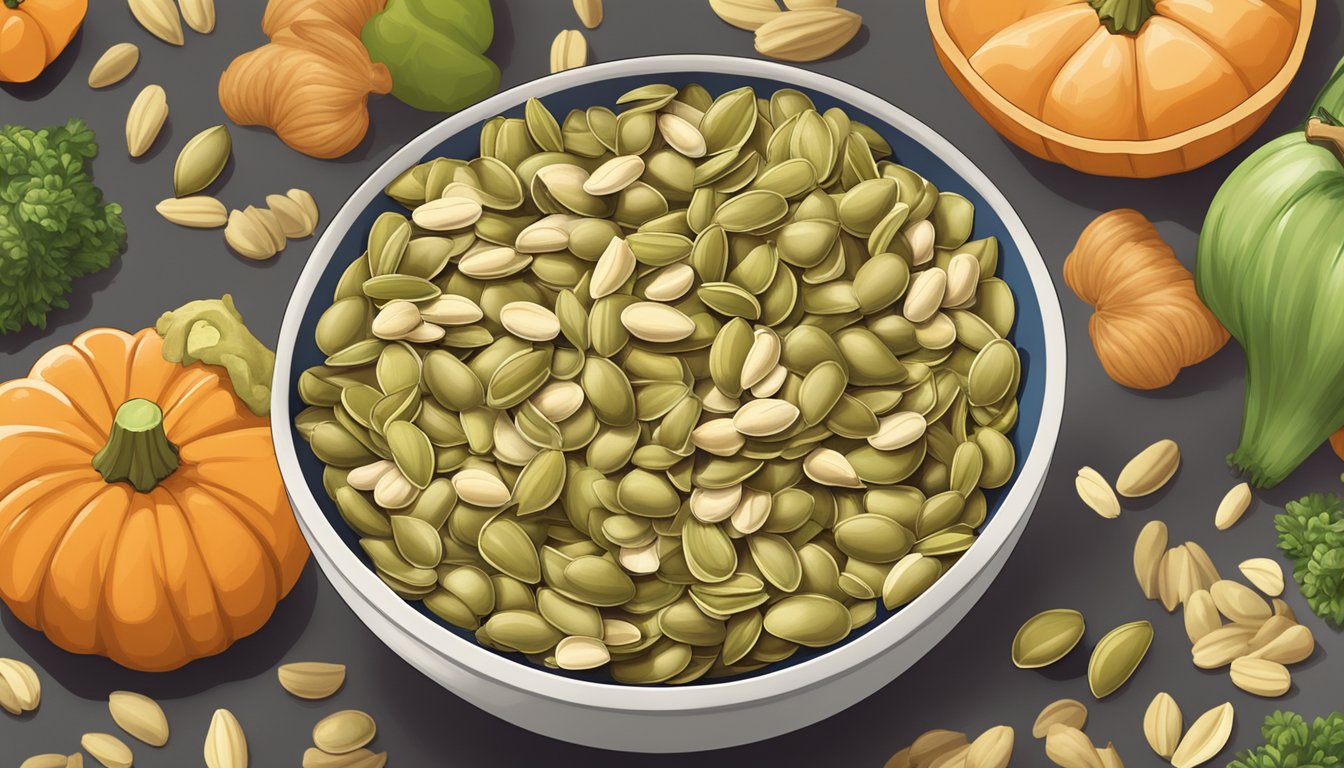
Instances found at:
x=142 y=516
x=1122 y=87
x=33 y=33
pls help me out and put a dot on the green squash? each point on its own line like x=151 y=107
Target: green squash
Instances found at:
x=435 y=50
x=1271 y=268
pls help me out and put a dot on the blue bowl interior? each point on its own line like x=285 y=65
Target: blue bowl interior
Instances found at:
x=1028 y=333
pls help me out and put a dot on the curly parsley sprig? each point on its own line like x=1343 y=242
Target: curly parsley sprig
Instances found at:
x=1311 y=532
x=1292 y=742
x=54 y=225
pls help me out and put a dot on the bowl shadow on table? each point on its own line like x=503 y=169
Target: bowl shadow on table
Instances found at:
x=51 y=77
x=80 y=300
x=94 y=677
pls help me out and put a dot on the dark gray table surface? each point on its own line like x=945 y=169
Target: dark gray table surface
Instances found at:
x=1068 y=557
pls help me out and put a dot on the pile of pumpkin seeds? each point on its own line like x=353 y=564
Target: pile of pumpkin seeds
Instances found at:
x=675 y=390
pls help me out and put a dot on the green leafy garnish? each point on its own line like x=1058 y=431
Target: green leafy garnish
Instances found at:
x=1311 y=532
x=1292 y=742
x=54 y=225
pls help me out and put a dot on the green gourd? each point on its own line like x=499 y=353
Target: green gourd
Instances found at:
x=435 y=50
x=1271 y=268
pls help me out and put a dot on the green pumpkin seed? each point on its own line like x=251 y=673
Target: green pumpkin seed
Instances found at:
x=1047 y=637
x=412 y=451
x=993 y=374
x=751 y=211
x=505 y=545
x=811 y=620
x=873 y=538
x=1116 y=656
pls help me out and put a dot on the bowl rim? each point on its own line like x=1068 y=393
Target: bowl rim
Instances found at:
x=485 y=664
x=1265 y=96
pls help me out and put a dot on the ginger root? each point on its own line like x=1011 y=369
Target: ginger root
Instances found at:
x=311 y=83
x=211 y=331
x=1149 y=322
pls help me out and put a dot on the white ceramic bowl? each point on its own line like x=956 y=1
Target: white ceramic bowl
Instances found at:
x=711 y=714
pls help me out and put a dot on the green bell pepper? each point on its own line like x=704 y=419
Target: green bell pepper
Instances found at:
x=435 y=50
x=1271 y=268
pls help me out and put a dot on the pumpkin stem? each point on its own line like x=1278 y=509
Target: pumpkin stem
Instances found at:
x=137 y=450
x=1329 y=135
x=13 y=3
x=1123 y=17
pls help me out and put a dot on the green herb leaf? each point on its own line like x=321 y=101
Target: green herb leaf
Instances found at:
x=54 y=225
x=1311 y=532
x=1290 y=742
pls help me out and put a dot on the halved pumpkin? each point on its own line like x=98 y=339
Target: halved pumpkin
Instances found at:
x=1122 y=87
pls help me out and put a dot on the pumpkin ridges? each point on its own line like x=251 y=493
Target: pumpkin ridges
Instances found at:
x=149 y=376
x=203 y=406
x=28 y=453
x=108 y=354
x=24 y=554
x=247 y=597
x=139 y=622
x=1182 y=78
x=1053 y=39
x=57 y=376
x=70 y=602
x=186 y=581
x=1104 y=68
x=1241 y=35
x=58 y=21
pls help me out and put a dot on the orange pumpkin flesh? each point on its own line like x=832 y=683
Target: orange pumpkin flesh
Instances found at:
x=1122 y=87
x=33 y=33
x=150 y=578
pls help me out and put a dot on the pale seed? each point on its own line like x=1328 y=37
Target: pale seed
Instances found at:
x=201 y=212
x=898 y=430
x=1219 y=647
x=714 y=505
x=1201 y=615
x=148 y=113
x=49 y=760
x=1149 y=550
x=1239 y=603
x=681 y=135
x=344 y=731
x=114 y=65
x=614 y=175
x=396 y=319
x=1096 y=493
x=199 y=15
x=307 y=203
x=360 y=758
x=1150 y=470
x=108 y=750
x=745 y=14
x=671 y=283
x=1162 y=725
x=830 y=467
x=293 y=218
x=1069 y=748
x=935 y=745
x=991 y=749
x=1265 y=574
x=1261 y=677
x=451 y=310
x=925 y=295
x=765 y=417
x=1232 y=507
x=266 y=222
x=807 y=35
x=1205 y=739
x=613 y=269
x=589 y=12
x=140 y=716
x=160 y=18
x=247 y=237
x=1293 y=645
x=529 y=321
x=20 y=689
x=447 y=213
x=492 y=263
x=651 y=321
x=577 y=653
x=1070 y=712
x=311 y=679
x=762 y=358
x=569 y=50
x=618 y=632
x=478 y=487
x=963 y=275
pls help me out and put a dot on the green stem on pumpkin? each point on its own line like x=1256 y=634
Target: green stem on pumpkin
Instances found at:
x=13 y=3
x=1123 y=17
x=137 y=450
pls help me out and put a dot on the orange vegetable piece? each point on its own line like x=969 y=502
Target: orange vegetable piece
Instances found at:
x=1149 y=322
x=1122 y=87
x=33 y=33
x=142 y=515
